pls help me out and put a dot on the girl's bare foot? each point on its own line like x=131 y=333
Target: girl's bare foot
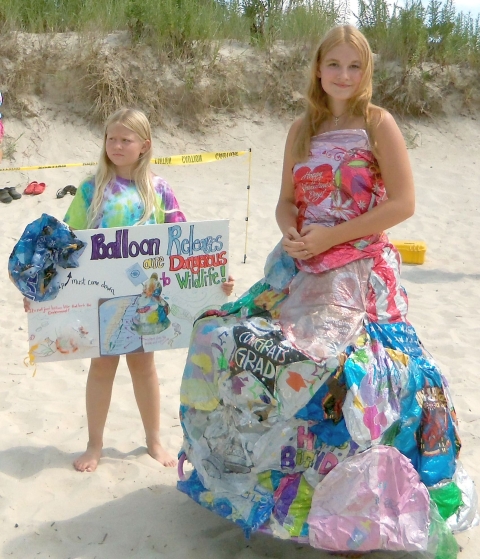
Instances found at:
x=88 y=461
x=157 y=452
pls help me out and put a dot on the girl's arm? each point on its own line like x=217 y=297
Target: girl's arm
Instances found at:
x=173 y=213
x=286 y=211
x=76 y=216
x=397 y=175
x=227 y=286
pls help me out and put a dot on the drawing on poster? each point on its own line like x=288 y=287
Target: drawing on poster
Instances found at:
x=70 y=336
x=125 y=321
x=117 y=335
x=132 y=323
x=151 y=316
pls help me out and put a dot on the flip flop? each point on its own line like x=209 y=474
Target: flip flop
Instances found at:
x=30 y=188
x=5 y=196
x=13 y=193
x=69 y=189
x=39 y=188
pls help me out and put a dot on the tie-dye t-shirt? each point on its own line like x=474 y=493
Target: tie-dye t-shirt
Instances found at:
x=122 y=205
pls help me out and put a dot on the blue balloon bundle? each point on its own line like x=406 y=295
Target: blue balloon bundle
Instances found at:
x=45 y=244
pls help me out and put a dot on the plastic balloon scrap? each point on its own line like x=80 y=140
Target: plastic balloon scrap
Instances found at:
x=45 y=244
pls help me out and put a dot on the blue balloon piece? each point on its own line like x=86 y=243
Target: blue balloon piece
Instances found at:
x=45 y=244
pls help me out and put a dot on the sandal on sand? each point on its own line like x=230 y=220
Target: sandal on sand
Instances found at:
x=13 y=193
x=5 y=196
x=69 y=189
x=30 y=188
x=39 y=188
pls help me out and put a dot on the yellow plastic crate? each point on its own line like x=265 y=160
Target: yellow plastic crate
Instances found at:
x=412 y=252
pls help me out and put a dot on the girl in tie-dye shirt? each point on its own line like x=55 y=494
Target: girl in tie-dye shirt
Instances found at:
x=123 y=192
x=122 y=205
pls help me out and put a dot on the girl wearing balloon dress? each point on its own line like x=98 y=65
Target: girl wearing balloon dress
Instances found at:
x=310 y=409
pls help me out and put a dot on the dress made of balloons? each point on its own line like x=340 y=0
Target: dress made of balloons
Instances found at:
x=310 y=409
x=152 y=309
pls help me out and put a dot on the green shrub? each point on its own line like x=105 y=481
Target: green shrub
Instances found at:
x=414 y=33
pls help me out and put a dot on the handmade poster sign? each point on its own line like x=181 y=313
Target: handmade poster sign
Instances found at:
x=135 y=289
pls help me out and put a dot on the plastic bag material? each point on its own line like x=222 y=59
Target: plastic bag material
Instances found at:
x=418 y=399
x=441 y=542
x=448 y=498
x=222 y=462
x=466 y=516
x=324 y=314
x=373 y=500
x=279 y=268
x=293 y=499
x=374 y=376
x=45 y=244
x=260 y=299
x=249 y=510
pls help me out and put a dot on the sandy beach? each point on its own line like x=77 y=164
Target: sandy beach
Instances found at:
x=130 y=507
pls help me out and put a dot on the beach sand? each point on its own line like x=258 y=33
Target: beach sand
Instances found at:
x=130 y=507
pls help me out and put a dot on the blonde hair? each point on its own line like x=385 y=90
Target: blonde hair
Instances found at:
x=317 y=110
x=137 y=122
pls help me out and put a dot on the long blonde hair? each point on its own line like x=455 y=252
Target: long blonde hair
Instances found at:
x=137 y=122
x=317 y=110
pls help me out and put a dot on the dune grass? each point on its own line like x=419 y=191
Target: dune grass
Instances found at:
x=170 y=59
x=413 y=33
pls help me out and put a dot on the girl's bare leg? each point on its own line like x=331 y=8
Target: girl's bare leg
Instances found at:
x=147 y=393
x=99 y=393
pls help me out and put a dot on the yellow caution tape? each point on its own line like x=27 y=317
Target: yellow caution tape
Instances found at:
x=195 y=158
x=37 y=167
x=188 y=159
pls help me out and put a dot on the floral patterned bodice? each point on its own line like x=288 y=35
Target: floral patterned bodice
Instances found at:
x=340 y=180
